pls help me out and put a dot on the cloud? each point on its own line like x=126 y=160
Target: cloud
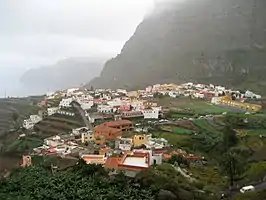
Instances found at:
x=37 y=32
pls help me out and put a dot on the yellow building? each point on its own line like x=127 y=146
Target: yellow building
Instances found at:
x=139 y=140
x=87 y=137
x=227 y=100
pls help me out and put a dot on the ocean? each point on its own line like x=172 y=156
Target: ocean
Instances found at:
x=10 y=84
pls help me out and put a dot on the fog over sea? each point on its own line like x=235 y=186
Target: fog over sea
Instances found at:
x=10 y=84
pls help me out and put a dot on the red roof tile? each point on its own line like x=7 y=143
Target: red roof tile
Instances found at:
x=112 y=162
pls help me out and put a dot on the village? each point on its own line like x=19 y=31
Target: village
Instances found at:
x=117 y=126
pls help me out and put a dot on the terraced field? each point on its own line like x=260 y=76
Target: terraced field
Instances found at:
x=23 y=107
x=55 y=125
x=206 y=126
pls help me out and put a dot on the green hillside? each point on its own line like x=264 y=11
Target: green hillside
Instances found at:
x=16 y=108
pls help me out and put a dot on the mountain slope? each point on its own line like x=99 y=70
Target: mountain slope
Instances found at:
x=66 y=73
x=219 y=41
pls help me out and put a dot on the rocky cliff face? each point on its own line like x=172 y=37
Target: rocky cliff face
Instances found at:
x=66 y=73
x=219 y=41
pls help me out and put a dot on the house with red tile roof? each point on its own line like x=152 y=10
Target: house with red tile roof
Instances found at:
x=113 y=129
x=94 y=159
x=138 y=160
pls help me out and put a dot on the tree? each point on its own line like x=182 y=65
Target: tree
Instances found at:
x=82 y=182
x=229 y=138
x=232 y=166
x=179 y=159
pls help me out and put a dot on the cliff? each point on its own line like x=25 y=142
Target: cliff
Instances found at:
x=217 y=41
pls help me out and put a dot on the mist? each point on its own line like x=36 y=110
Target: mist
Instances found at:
x=37 y=33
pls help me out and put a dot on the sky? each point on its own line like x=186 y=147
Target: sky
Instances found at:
x=34 y=33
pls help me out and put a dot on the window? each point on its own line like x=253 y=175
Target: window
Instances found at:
x=140 y=138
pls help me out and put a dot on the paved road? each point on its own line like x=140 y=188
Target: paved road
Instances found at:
x=82 y=114
x=258 y=187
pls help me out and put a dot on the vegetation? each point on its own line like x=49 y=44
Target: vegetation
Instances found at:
x=256 y=195
x=24 y=144
x=204 y=125
x=92 y=182
x=14 y=110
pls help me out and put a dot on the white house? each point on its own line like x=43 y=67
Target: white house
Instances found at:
x=62 y=112
x=65 y=103
x=35 y=119
x=121 y=91
x=124 y=144
x=53 y=141
x=198 y=95
x=156 y=143
x=115 y=102
x=105 y=108
x=51 y=111
x=137 y=105
x=172 y=94
x=107 y=97
x=216 y=100
x=152 y=113
x=85 y=101
x=250 y=94
x=28 y=124
x=50 y=95
x=85 y=105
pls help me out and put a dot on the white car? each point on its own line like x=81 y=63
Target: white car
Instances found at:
x=249 y=188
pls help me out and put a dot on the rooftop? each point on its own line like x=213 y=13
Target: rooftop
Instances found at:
x=136 y=161
x=118 y=123
x=101 y=127
x=93 y=159
x=112 y=162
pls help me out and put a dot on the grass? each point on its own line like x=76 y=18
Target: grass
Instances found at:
x=195 y=105
x=173 y=139
x=179 y=115
x=203 y=107
x=24 y=144
x=205 y=126
x=182 y=131
x=255 y=132
x=176 y=130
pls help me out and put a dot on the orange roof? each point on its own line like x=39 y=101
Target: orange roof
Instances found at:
x=117 y=123
x=93 y=159
x=101 y=127
x=112 y=162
